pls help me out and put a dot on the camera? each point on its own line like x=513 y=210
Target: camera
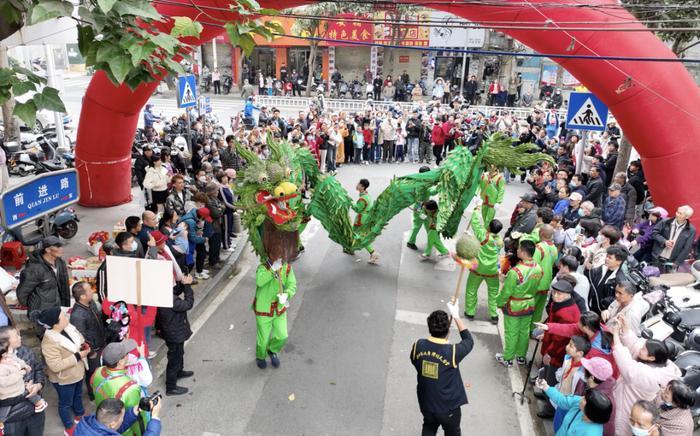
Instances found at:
x=147 y=402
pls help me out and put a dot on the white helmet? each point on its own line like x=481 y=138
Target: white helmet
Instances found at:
x=181 y=143
x=695 y=270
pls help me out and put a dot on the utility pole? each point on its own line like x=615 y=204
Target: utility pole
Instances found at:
x=51 y=76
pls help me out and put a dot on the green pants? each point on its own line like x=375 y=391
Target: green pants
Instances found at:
x=517 y=335
x=417 y=225
x=272 y=334
x=540 y=302
x=470 y=298
x=434 y=241
x=488 y=213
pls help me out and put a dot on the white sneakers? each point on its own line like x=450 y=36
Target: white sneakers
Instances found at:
x=373 y=258
x=202 y=276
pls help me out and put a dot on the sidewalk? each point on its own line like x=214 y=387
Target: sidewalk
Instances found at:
x=96 y=219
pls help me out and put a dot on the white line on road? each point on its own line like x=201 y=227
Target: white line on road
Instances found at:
x=419 y=318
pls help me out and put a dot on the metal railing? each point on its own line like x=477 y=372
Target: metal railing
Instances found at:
x=346 y=105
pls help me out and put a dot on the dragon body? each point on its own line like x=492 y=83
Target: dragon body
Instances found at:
x=274 y=211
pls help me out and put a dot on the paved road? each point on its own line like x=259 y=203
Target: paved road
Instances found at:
x=351 y=329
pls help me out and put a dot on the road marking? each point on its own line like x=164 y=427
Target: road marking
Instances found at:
x=211 y=308
x=419 y=318
x=206 y=433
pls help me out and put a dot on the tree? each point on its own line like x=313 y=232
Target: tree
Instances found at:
x=671 y=14
x=127 y=39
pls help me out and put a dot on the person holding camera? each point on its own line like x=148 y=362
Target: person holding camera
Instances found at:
x=114 y=381
x=112 y=418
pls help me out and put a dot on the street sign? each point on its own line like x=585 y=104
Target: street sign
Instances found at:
x=186 y=91
x=586 y=112
x=207 y=104
x=39 y=196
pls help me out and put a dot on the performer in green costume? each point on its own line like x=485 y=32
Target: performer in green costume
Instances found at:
x=113 y=381
x=430 y=208
x=487 y=266
x=517 y=300
x=361 y=207
x=275 y=285
x=419 y=216
x=546 y=255
x=493 y=188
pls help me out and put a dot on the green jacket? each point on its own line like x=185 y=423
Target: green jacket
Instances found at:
x=362 y=206
x=533 y=236
x=517 y=295
x=546 y=255
x=490 y=248
x=492 y=189
x=267 y=286
x=418 y=212
x=117 y=384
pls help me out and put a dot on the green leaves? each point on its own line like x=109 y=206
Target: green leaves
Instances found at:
x=120 y=66
x=26 y=112
x=136 y=8
x=106 y=5
x=49 y=99
x=47 y=9
x=184 y=26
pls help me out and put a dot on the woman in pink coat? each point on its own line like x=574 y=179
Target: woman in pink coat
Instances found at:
x=644 y=368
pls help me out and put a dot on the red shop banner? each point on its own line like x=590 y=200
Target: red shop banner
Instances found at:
x=346 y=28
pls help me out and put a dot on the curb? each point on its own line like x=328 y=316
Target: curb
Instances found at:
x=202 y=297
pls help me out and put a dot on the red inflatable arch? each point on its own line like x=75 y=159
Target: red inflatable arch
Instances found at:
x=657 y=104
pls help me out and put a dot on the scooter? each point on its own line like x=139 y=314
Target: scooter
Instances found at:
x=227 y=84
x=63 y=223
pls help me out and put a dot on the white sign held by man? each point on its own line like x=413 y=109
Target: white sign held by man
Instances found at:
x=143 y=282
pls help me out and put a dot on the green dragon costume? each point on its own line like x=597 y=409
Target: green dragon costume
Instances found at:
x=274 y=212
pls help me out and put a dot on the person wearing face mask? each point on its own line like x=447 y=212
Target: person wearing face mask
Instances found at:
x=674 y=402
x=572 y=213
x=595 y=254
x=644 y=420
x=644 y=365
x=642 y=233
x=156 y=182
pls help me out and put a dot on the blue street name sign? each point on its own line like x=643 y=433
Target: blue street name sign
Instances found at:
x=39 y=196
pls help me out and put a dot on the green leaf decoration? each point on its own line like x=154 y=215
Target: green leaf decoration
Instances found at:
x=48 y=9
x=184 y=26
x=26 y=112
x=49 y=99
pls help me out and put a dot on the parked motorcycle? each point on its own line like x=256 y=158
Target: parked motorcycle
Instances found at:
x=227 y=82
x=63 y=223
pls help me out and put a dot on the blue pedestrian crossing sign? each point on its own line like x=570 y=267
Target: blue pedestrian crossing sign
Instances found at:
x=186 y=92
x=586 y=112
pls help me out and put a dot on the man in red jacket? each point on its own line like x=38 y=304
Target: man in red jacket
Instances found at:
x=562 y=309
x=438 y=141
x=448 y=128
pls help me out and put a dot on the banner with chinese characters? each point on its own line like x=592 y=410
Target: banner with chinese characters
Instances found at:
x=408 y=36
x=39 y=196
x=348 y=29
x=549 y=76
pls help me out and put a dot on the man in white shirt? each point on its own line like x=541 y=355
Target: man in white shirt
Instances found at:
x=569 y=265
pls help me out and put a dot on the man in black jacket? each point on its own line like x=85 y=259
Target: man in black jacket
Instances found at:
x=595 y=189
x=377 y=84
x=143 y=162
x=87 y=318
x=175 y=329
x=673 y=239
x=605 y=278
x=470 y=89
x=441 y=391
x=43 y=282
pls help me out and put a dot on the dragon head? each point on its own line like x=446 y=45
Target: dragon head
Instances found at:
x=277 y=202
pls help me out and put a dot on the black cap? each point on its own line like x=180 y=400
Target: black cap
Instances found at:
x=51 y=241
x=530 y=197
x=563 y=286
x=49 y=317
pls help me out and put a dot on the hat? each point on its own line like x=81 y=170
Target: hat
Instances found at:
x=115 y=351
x=615 y=187
x=563 y=286
x=660 y=211
x=530 y=197
x=49 y=317
x=576 y=196
x=598 y=367
x=204 y=213
x=11 y=382
x=51 y=241
x=159 y=237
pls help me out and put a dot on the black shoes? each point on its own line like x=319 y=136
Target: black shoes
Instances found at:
x=185 y=374
x=469 y=317
x=262 y=363
x=494 y=320
x=274 y=359
x=177 y=390
x=411 y=245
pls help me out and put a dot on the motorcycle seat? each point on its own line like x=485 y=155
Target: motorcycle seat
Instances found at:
x=690 y=318
x=672 y=279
